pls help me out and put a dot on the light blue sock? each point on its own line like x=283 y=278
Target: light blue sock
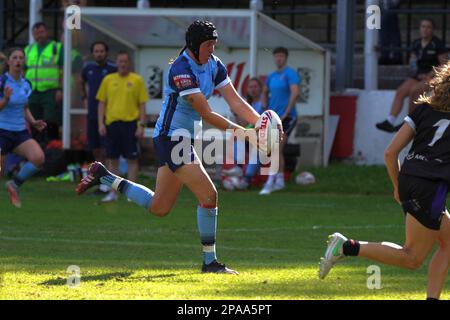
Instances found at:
x=207 y=226
x=137 y=193
x=26 y=172
x=110 y=180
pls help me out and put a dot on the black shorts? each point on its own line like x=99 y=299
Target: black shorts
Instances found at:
x=289 y=125
x=121 y=140
x=424 y=199
x=165 y=153
x=9 y=140
x=94 y=139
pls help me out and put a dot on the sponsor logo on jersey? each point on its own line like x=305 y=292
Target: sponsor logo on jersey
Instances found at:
x=414 y=156
x=183 y=81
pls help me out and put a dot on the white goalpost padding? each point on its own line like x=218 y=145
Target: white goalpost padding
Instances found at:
x=246 y=41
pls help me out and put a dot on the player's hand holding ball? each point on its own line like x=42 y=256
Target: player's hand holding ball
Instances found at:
x=270 y=131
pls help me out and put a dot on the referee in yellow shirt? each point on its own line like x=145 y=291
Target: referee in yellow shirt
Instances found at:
x=121 y=116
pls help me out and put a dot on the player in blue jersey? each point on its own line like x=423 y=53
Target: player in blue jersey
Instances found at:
x=191 y=80
x=14 y=113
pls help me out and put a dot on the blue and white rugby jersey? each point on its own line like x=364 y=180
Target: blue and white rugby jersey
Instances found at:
x=12 y=116
x=186 y=77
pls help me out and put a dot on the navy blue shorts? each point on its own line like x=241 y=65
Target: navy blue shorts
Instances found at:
x=94 y=139
x=9 y=140
x=121 y=140
x=424 y=199
x=289 y=125
x=176 y=159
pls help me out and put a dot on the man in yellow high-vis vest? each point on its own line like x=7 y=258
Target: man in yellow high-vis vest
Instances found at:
x=44 y=61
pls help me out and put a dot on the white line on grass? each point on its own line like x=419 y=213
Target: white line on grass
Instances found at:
x=133 y=243
x=370 y=226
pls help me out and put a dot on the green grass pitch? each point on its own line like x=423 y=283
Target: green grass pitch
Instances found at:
x=274 y=242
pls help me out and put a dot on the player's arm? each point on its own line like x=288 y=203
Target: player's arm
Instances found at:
x=102 y=104
x=101 y=118
x=82 y=84
x=6 y=95
x=201 y=105
x=295 y=91
x=238 y=105
x=141 y=123
x=37 y=124
x=398 y=143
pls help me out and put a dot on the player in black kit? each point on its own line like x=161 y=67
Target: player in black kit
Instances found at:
x=420 y=187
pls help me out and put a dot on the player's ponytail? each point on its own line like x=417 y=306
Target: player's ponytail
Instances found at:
x=438 y=95
x=182 y=50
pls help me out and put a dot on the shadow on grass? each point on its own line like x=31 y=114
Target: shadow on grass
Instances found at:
x=115 y=276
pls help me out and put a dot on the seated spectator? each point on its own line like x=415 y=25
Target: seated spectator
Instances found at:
x=426 y=53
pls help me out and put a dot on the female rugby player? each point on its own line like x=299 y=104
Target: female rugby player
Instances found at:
x=191 y=80
x=420 y=187
x=14 y=112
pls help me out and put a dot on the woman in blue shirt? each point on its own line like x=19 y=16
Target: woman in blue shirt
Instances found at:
x=14 y=113
x=190 y=81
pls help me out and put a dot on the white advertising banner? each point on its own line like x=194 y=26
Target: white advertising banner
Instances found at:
x=154 y=62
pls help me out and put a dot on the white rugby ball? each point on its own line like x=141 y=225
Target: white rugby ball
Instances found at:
x=269 y=125
x=305 y=178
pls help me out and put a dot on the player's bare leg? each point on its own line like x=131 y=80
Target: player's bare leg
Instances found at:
x=195 y=177
x=440 y=263
x=418 y=244
x=402 y=92
x=31 y=151
x=167 y=188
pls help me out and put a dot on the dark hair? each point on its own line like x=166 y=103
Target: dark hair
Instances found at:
x=9 y=54
x=433 y=24
x=260 y=83
x=101 y=43
x=39 y=24
x=121 y=52
x=280 y=50
x=3 y=64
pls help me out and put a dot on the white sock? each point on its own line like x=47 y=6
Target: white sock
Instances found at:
x=391 y=119
x=280 y=178
x=271 y=180
x=104 y=188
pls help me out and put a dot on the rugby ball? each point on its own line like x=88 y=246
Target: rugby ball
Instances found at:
x=305 y=178
x=269 y=126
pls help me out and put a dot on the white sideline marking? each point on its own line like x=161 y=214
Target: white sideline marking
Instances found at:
x=135 y=243
x=384 y=226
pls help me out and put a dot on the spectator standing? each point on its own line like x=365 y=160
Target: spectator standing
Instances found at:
x=390 y=37
x=121 y=116
x=282 y=92
x=44 y=62
x=91 y=78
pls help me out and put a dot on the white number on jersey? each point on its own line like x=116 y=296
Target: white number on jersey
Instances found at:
x=442 y=126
